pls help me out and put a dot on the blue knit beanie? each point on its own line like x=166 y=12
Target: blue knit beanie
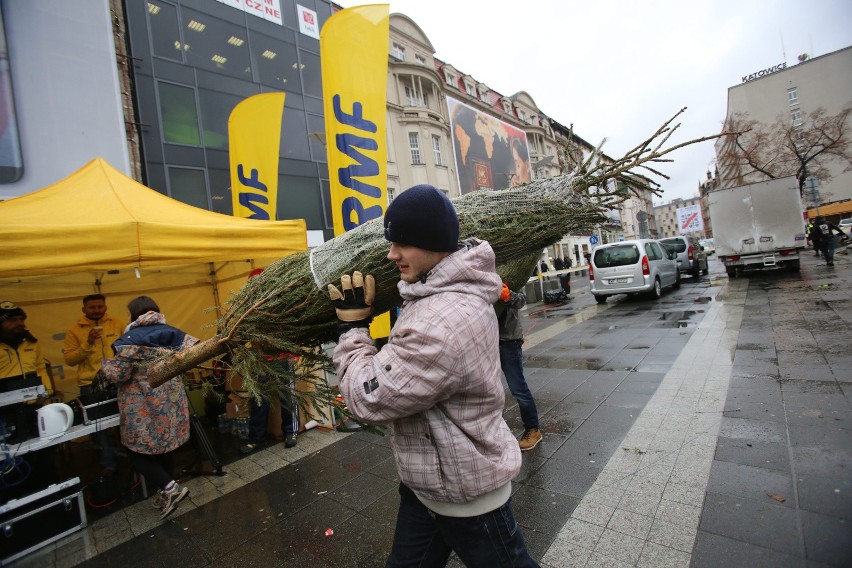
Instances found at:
x=423 y=217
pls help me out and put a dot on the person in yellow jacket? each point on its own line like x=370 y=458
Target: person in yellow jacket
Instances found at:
x=808 y=231
x=89 y=340
x=87 y=343
x=20 y=354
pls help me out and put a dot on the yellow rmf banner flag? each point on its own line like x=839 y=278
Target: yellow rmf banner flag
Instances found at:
x=354 y=52
x=254 y=138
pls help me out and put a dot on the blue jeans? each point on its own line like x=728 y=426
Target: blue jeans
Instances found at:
x=828 y=246
x=259 y=412
x=259 y=420
x=424 y=539
x=512 y=362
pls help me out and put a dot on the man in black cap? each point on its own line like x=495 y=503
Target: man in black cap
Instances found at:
x=20 y=355
x=437 y=382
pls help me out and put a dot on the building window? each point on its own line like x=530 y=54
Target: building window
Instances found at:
x=797 y=117
x=414 y=144
x=507 y=107
x=165 y=31
x=793 y=96
x=391 y=194
x=522 y=115
x=483 y=95
x=398 y=51
x=216 y=107
x=179 y=114
x=215 y=45
x=436 y=147
x=419 y=59
x=309 y=65
x=470 y=89
x=189 y=186
x=451 y=79
x=410 y=97
x=277 y=63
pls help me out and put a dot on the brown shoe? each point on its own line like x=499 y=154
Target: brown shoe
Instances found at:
x=530 y=439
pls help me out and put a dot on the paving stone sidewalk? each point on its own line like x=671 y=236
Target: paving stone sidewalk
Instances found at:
x=711 y=428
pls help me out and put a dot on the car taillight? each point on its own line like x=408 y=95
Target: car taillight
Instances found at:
x=788 y=252
x=689 y=253
x=591 y=273
x=646 y=269
x=733 y=257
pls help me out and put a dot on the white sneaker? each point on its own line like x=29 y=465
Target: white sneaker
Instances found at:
x=157 y=501
x=172 y=498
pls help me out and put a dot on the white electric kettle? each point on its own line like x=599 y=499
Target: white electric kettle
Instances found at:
x=54 y=419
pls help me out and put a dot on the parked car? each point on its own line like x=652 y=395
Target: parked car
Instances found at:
x=690 y=258
x=846 y=226
x=641 y=266
x=708 y=245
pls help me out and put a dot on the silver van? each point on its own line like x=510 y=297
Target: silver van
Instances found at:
x=691 y=257
x=632 y=267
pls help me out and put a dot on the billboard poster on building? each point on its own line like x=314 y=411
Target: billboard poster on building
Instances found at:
x=689 y=219
x=308 y=21
x=489 y=153
x=269 y=10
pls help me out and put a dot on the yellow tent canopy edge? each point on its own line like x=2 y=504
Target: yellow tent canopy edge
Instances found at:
x=99 y=219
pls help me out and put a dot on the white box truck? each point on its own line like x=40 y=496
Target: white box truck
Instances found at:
x=758 y=225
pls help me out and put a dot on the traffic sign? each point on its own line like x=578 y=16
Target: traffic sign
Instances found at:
x=593 y=239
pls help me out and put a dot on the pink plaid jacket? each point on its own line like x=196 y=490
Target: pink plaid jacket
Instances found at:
x=438 y=381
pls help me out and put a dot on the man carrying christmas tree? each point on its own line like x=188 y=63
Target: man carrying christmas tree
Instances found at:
x=437 y=383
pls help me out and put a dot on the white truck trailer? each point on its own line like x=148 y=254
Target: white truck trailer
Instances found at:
x=758 y=225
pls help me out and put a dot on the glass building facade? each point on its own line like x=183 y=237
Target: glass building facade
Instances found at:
x=193 y=62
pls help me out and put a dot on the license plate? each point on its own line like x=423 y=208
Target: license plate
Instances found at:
x=618 y=280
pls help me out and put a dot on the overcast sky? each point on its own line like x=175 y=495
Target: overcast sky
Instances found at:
x=619 y=69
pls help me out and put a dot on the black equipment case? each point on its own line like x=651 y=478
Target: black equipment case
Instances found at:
x=38 y=519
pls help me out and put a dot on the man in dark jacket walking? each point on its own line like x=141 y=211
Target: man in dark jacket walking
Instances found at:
x=512 y=363
x=822 y=233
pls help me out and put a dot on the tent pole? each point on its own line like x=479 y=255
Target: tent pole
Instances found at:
x=215 y=284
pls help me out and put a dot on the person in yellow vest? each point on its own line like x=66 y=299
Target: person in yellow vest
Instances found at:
x=808 y=232
x=20 y=354
x=87 y=343
x=89 y=340
x=21 y=366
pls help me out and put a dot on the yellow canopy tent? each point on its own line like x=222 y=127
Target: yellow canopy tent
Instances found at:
x=99 y=231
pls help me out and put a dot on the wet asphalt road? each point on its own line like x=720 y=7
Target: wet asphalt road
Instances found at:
x=708 y=428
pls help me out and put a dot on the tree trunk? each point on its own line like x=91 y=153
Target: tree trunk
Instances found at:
x=183 y=361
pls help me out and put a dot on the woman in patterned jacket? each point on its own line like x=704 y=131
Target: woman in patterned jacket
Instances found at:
x=154 y=422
